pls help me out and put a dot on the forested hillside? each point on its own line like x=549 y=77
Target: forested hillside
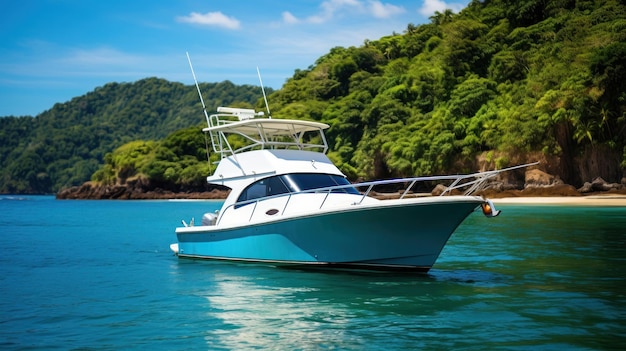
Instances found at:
x=501 y=83
x=65 y=145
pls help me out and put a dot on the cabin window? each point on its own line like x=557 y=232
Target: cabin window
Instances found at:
x=291 y=183
x=262 y=188
x=275 y=186
x=256 y=190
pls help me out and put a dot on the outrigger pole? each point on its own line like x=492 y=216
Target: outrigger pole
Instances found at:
x=206 y=115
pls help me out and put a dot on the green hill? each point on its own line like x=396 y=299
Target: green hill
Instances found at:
x=501 y=83
x=65 y=145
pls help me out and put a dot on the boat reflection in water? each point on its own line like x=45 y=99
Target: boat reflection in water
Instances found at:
x=258 y=316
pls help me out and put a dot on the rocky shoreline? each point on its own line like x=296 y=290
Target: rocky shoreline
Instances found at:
x=536 y=183
x=540 y=184
x=138 y=191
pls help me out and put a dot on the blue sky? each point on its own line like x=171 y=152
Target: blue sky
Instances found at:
x=54 y=50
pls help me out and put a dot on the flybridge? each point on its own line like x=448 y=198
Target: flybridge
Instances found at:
x=262 y=133
x=259 y=133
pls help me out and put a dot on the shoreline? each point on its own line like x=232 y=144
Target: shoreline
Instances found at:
x=590 y=200
x=532 y=196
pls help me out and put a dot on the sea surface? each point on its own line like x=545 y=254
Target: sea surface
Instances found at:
x=99 y=275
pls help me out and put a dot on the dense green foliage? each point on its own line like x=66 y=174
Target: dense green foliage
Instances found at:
x=65 y=145
x=503 y=81
x=178 y=161
x=503 y=78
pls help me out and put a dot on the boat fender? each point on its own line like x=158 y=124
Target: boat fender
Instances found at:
x=489 y=209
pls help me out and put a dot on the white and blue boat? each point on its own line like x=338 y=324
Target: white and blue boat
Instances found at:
x=290 y=205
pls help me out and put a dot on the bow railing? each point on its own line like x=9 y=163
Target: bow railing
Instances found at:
x=473 y=182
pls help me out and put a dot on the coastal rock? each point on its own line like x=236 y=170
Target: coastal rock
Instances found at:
x=141 y=190
x=547 y=191
x=586 y=188
x=599 y=184
x=501 y=186
x=438 y=190
x=559 y=189
x=535 y=178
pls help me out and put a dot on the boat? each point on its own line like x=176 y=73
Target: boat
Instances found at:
x=290 y=205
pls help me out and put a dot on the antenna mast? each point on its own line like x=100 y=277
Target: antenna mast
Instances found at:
x=198 y=88
x=267 y=106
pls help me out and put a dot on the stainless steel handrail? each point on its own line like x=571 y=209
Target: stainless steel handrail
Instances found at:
x=457 y=182
x=222 y=147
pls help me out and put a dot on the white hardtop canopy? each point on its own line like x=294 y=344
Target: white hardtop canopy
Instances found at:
x=269 y=127
x=263 y=133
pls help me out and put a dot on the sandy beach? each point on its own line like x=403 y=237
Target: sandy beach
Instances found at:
x=592 y=200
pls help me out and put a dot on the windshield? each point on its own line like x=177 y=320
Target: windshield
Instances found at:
x=308 y=181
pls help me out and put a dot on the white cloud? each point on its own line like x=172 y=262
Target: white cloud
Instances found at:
x=333 y=8
x=380 y=10
x=289 y=18
x=216 y=19
x=430 y=6
x=330 y=7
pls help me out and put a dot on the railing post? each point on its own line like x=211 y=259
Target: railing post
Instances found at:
x=366 y=193
x=406 y=191
x=253 y=210
x=325 y=197
x=286 y=204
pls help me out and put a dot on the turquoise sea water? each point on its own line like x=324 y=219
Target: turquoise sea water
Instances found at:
x=98 y=275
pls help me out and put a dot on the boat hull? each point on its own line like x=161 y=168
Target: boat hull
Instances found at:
x=392 y=235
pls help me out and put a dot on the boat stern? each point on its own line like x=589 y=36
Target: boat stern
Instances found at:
x=174 y=248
